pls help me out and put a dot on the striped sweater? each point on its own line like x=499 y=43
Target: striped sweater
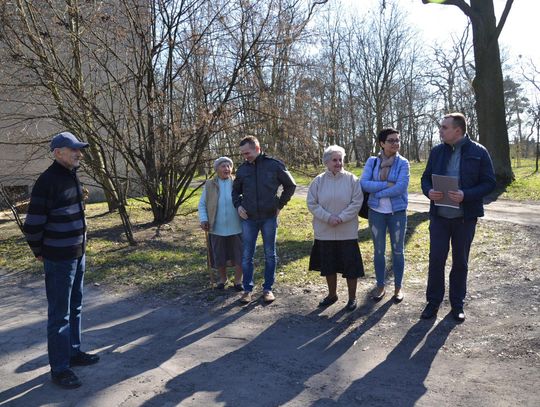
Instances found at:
x=55 y=226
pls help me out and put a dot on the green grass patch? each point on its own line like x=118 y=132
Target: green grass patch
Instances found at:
x=526 y=186
x=15 y=255
x=171 y=259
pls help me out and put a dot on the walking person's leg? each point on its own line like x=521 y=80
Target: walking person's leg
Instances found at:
x=77 y=356
x=397 y=226
x=236 y=242
x=462 y=237
x=76 y=306
x=439 y=244
x=59 y=278
x=269 y=235
x=250 y=231
x=378 y=226
x=352 y=283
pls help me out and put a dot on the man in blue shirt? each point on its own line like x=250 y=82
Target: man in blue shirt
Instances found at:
x=470 y=162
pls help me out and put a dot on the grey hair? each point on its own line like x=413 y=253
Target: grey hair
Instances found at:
x=222 y=160
x=328 y=151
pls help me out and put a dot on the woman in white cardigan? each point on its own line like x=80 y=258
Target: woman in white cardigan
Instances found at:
x=334 y=198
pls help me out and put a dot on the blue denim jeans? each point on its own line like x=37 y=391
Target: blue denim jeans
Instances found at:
x=64 y=288
x=396 y=224
x=250 y=231
x=460 y=233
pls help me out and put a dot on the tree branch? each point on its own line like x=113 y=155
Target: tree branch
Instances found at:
x=504 y=15
x=463 y=6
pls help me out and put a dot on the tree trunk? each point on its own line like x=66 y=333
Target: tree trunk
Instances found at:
x=488 y=83
x=488 y=89
x=126 y=222
x=537 y=145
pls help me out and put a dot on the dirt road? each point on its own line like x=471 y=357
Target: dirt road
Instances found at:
x=203 y=350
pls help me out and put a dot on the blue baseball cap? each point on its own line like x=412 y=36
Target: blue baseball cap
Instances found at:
x=66 y=139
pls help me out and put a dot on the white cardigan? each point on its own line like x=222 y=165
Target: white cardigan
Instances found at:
x=340 y=195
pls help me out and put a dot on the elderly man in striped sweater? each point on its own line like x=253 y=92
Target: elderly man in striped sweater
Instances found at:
x=55 y=229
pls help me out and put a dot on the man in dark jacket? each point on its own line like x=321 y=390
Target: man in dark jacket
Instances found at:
x=55 y=229
x=471 y=164
x=255 y=196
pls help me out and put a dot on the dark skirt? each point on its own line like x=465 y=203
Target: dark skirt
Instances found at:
x=337 y=256
x=225 y=250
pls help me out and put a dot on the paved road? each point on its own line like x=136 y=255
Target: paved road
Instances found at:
x=501 y=210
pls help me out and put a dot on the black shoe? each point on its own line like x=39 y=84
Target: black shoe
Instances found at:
x=458 y=314
x=238 y=287
x=378 y=294
x=398 y=297
x=220 y=286
x=351 y=305
x=83 y=359
x=327 y=301
x=66 y=379
x=430 y=311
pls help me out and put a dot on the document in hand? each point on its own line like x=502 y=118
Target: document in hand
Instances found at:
x=445 y=183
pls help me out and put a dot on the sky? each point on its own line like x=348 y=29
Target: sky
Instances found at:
x=520 y=35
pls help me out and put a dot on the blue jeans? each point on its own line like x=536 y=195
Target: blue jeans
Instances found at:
x=250 y=230
x=460 y=233
x=396 y=224
x=64 y=288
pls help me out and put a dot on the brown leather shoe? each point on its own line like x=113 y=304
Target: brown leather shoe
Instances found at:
x=268 y=296
x=245 y=298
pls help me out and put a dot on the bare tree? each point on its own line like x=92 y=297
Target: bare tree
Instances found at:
x=150 y=83
x=381 y=43
x=488 y=81
x=45 y=40
x=531 y=74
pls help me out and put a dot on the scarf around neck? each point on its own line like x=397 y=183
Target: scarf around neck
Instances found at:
x=386 y=164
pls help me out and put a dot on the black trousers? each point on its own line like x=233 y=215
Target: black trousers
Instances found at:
x=442 y=232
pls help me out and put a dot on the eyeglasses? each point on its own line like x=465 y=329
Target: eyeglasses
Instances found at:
x=393 y=140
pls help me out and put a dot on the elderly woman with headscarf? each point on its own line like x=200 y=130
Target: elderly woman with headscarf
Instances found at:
x=334 y=198
x=219 y=217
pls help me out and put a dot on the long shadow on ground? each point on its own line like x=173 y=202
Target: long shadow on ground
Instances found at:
x=134 y=339
x=278 y=362
x=400 y=378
